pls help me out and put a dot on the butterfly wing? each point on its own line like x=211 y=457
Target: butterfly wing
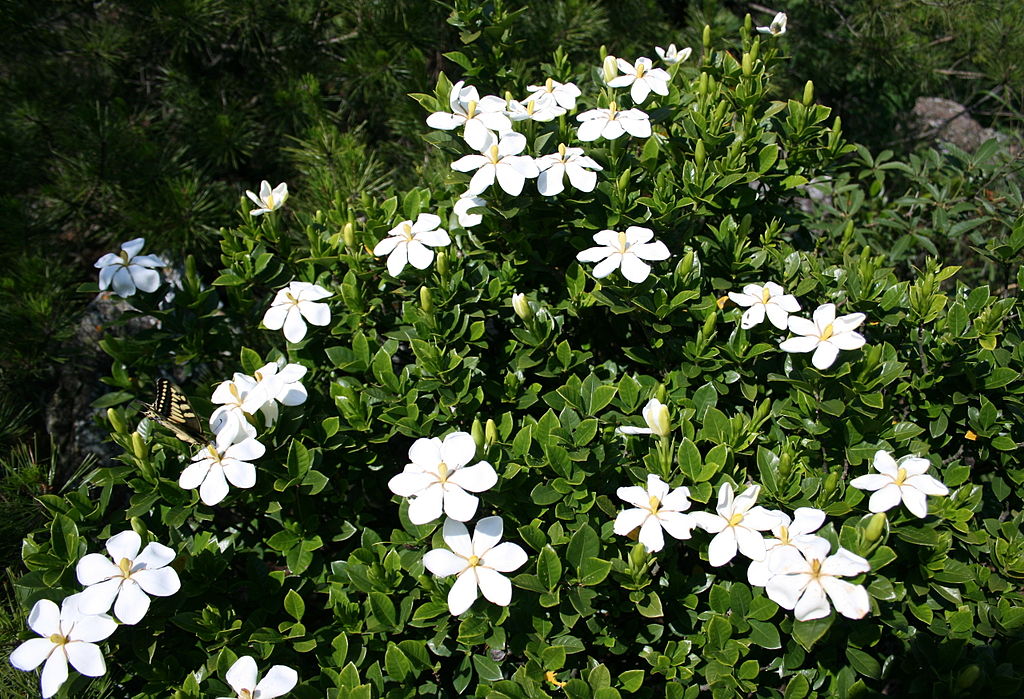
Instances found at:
x=172 y=410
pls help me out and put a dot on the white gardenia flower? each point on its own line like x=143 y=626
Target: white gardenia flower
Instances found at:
x=128 y=271
x=212 y=469
x=654 y=509
x=825 y=335
x=900 y=481
x=68 y=636
x=410 y=242
x=797 y=532
x=499 y=161
x=294 y=306
x=277 y=384
x=127 y=578
x=242 y=677
x=565 y=94
x=478 y=562
x=769 y=300
x=805 y=579
x=237 y=399
x=611 y=123
x=656 y=416
x=643 y=78
x=539 y=106
x=479 y=116
x=736 y=524
x=625 y=252
x=269 y=199
x=438 y=479
x=777 y=27
x=571 y=162
x=462 y=208
x=671 y=56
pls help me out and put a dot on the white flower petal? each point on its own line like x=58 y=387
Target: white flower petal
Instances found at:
x=505 y=557
x=427 y=505
x=55 y=673
x=443 y=563
x=458 y=504
x=885 y=499
x=463 y=593
x=722 y=548
x=131 y=604
x=160 y=582
x=812 y=604
x=242 y=674
x=280 y=679
x=495 y=587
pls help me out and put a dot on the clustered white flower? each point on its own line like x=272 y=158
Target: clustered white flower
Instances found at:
x=624 y=251
x=242 y=676
x=671 y=55
x=641 y=79
x=411 y=242
x=294 y=306
x=900 y=481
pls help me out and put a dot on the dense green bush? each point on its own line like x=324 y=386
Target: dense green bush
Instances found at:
x=318 y=567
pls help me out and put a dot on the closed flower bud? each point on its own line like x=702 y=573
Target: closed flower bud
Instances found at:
x=116 y=421
x=609 y=68
x=656 y=416
x=139 y=446
x=490 y=433
x=685 y=265
x=522 y=306
x=707 y=36
x=748 y=65
x=831 y=482
x=348 y=235
x=442 y=264
x=698 y=154
x=709 y=323
x=809 y=93
x=875 y=527
x=477 y=431
x=785 y=463
x=426 y=300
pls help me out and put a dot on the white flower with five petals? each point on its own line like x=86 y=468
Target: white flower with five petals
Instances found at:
x=294 y=306
x=479 y=117
x=242 y=676
x=478 y=562
x=797 y=532
x=777 y=27
x=278 y=384
x=268 y=199
x=236 y=399
x=655 y=508
x=212 y=469
x=671 y=56
x=769 y=300
x=499 y=161
x=539 y=106
x=825 y=335
x=411 y=242
x=611 y=123
x=461 y=209
x=642 y=77
x=438 y=479
x=625 y=252
x=900 y=481
x=128 y=271
x=565 y=94
x=68 y=636
x=127 y=578
x=805 y=579
x=736 y=524
x=567 y=162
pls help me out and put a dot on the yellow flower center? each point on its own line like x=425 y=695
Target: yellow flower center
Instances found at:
x=58 y=640
x=735 y=519
x=530 y=106
x=640 y=70
x=623 y=243
x=561 y=151
x=291 y=299
x=492 y=153
x=612 y=111
x=815 y=569
x=765 y=295
x=214 y=454
x=901 y=476
x=784 y=535
x=549 y=85
x=827 y=332
x=126 y=568
x=269 y=201
x=473 y=561
x=442 y=472
x=125 y=260
x=654 y=503
x=245 y=694
x=471 y=110
x=407 y=231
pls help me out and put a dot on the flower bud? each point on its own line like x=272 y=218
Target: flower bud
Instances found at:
x=477 y=430
x=968 y=676
x=809 y=93
x=521 y=306
x=490 y=433
x=442 y=264
x=656 y=415
x=139 y=446
x=685 y=265
x=426 y=300
x=698 y=154
x=748 y=65
x=785 y=464
x=609 y=69
x=876 y=525
x=116 y=421
x=706 y=38
x=702 y=84
x=709 y=323
x=348 y=235
x=831 y=482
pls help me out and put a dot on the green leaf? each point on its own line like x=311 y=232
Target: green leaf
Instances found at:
x=64 y=538
x=798 y=688
x=807 y=633
x=631 y=680
x=549 y=568
x=383 y=609
x=396 y=664
x=864 y=663
x=764 y=634
x=595 y=395
x=583 y=545
x=486 y=669
x=594 y=571
x=294 y=605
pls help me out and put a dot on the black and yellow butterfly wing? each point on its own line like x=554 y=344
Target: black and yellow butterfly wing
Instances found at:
x=172 y=410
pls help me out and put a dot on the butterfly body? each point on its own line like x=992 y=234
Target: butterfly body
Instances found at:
x=172 y=410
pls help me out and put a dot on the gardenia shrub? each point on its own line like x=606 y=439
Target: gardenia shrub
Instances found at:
x=583 y=414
